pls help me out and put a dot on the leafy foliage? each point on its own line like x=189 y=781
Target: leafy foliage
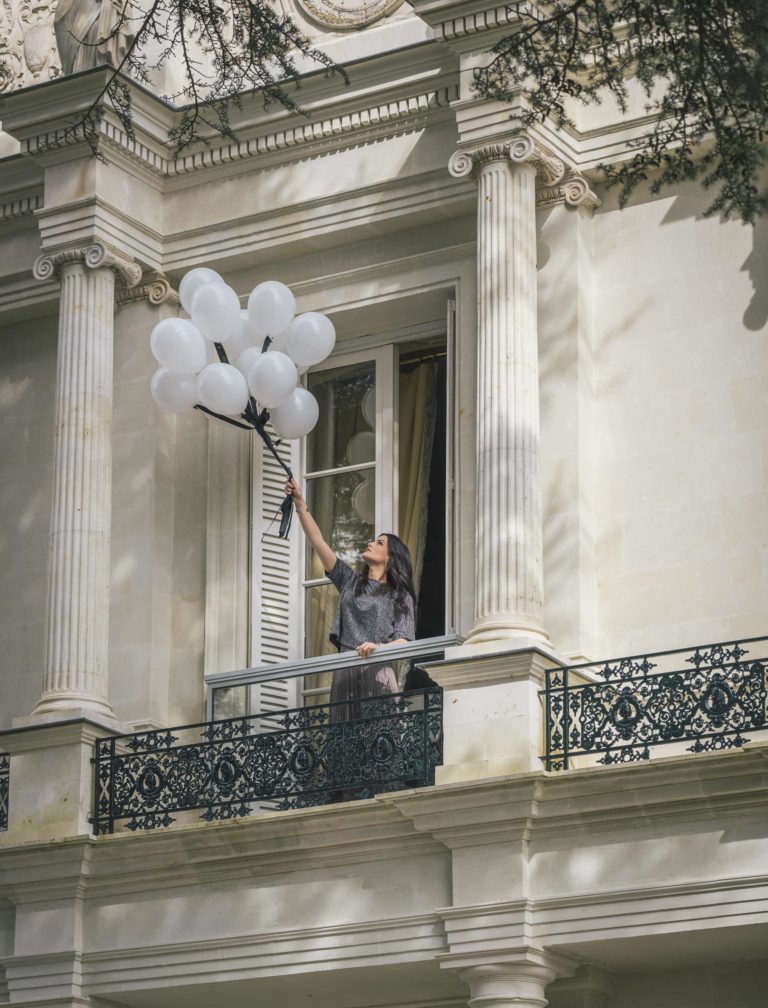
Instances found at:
x=702 y=64
x=226 y=48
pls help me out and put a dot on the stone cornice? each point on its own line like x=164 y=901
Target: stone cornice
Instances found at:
x=331 y=131
x=97 y=255
x=154 y=286
x=331 y=124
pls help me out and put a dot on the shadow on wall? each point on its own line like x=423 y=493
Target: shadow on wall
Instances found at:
x=756 y=264
x=689 y=203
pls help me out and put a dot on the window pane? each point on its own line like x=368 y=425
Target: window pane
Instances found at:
x=345 y=433
x=344 y=508
x=229 y=702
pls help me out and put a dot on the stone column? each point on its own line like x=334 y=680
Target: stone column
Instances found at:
x=75 y=681
x=508 y=559
x=508 y=985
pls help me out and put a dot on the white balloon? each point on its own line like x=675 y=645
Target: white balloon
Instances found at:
x=191 y=282
x=361 y=447
x=241 y=337
x=272 y=378
x=173 y=392
x=178 y=346
x=279 y=342
x=368 y=406
x=247 y=359
x=222 y=388
x=364 y=501
x=310 y=338
x=215 y=311
x=297 y=415
x=271 y=308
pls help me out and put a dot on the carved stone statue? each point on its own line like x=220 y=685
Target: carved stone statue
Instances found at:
x=84 y=33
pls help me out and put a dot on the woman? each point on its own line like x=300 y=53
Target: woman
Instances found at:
x=375 y=607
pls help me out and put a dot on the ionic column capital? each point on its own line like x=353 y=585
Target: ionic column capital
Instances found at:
x=154 y=286
x=97 y=255
x=574 y=190
x=519 y=149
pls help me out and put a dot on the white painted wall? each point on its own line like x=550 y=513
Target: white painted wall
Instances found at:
x=681 y=411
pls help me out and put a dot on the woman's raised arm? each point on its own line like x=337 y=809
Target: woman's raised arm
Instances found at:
x=311 y=529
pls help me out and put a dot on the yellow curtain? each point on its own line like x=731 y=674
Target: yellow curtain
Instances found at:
x=418 y=415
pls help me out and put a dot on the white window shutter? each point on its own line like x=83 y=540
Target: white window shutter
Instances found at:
x=275 y=594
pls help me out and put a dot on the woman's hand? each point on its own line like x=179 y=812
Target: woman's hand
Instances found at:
x=314 y=535
x=366 y=649
x=292 y=487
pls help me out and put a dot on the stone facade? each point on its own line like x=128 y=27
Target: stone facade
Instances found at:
x=607 y=495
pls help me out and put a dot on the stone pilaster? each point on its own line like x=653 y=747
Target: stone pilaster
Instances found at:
x=508 y=560
x=75 y=678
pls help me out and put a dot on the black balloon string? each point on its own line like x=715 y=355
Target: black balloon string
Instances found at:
x=256 y=421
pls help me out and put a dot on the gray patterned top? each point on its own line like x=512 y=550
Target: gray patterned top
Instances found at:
x=369 y=616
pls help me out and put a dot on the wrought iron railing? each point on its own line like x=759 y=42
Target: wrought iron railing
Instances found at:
x=621 y=710
x=5 y=770
x=275 y=761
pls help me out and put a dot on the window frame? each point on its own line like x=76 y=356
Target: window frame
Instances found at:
x=386 y=432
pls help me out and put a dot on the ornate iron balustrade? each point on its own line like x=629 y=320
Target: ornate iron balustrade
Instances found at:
x=280 y=760
x=5 y=770
x=620 y=710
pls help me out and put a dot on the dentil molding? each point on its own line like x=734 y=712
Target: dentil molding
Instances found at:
x=97 y=255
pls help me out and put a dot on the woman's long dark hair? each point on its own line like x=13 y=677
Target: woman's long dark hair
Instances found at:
x=399 y=573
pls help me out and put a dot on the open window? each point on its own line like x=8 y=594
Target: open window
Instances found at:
x=376 y=462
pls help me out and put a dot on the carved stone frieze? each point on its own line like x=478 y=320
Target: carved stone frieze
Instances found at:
x=94 y=256
x=28 y=51
x=153 y=286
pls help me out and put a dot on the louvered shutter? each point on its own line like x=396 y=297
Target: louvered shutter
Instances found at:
x=275 y=598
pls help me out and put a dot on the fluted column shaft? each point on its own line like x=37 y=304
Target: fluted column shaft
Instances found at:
x=508 y=538
x=508 y=558
x=75 y=675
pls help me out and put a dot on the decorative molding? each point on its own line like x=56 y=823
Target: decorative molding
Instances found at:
x=22 y=207
x=521 y=149
x=348 y=15
x=94 y=256
x=154 y=286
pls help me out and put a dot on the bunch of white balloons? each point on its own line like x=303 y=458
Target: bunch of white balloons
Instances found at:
x=190 y=373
